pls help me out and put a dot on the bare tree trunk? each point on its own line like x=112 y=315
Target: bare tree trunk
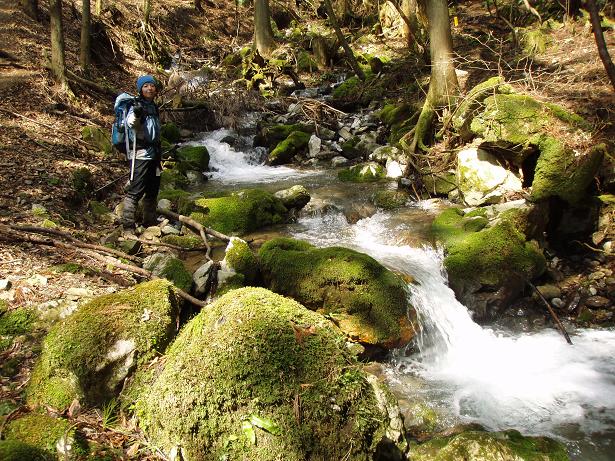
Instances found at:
x=411 y=29
x=58 y=65
x=600 y=42
x=443 y=84
x=30 y=7
x=263 y=35
x=86 y=37
x=340 y=36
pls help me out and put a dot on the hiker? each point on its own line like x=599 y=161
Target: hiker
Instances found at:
x=144 y=181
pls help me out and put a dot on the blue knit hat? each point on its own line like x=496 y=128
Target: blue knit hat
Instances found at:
x=146 y=79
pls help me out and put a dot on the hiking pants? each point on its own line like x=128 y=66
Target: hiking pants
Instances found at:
x=146 y=184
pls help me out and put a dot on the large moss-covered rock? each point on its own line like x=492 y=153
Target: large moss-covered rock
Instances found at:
x=367 y=301
x=295 y=197
x=257 y=376
x=192 y=158
x=89 y=354
x=525 y=126
x=485 y=257
x=170 y=132
x=240 y=258
x=241 y=212
x=294 y=144
x=354 y=92
x=399 y=119
x=167 y=266
x=487 y=446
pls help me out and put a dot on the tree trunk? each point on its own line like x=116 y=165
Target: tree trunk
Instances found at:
x=58 y=66
x=263 y=34
x=443 y=84
x=340 y=36
x=411 y=29
x=30 y=7
x=98 y=7
x=86 y=37
x=600 y=42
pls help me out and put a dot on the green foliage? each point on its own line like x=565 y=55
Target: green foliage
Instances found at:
x=241 y=212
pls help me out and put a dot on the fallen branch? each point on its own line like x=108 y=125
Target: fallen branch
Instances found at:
x=552 y=312
x=97 y=86
x=76 y=242
x=8 y=234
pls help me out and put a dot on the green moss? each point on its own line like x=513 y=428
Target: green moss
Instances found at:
x=367 y=300
x=13 y=450
x=306 y=62
x=192 y=158
x=17 y=322
x=97 y=137
x=232 y=283
x=176 y=272
x=74 y=361
x=240 y=258
x=390 y=199
x=399 y=119
x=365 y=172
x=49 y=224
x=561 y=172
x=356 y=92
x=242 y=363
x=271 y=135
x=241 y=212
x=72 y=268
x=170 y=132
x=488 y=446
x=172 y=178
x=184 y=241
x=39 y=430
x=294 y=144
x=99 y=209
x=535 y=41
x=83 y=183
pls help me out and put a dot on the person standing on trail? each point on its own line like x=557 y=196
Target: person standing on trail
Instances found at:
x=144 y=182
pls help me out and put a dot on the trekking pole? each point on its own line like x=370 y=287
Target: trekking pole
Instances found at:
x=111 y=182
x=552 y=312
x=134 y=156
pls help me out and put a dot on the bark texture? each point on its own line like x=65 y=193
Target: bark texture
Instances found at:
x=263 y=35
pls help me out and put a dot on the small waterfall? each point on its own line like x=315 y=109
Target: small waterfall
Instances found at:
x=532 y=382
x=241 y=167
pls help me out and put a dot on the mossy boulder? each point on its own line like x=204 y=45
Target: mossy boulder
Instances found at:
x=241 y=259
x=13 y=450
x=489 y=446
x=97 y=137
x=485 y=257
x=363 y=172
x=296 y=197
x=525 y=126
x=355 y=93
x=367 y=301
x=390 y=199
x=241 y=212
x=173 y=178
x=88 y=355
x=257 y=376
x=170 y=133
x=295 y=143
x=192 y=158
x=44 y=433
x=181 y=200
x=169 y=267
x=271 y=135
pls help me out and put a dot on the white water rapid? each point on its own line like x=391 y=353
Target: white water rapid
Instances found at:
x=533 y=382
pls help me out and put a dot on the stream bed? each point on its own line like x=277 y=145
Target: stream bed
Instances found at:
x=532 y=382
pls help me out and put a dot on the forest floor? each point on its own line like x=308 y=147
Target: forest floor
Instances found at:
x=40 y=126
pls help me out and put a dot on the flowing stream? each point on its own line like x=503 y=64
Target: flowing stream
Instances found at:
x=533 y=382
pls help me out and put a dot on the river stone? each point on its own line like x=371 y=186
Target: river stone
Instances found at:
x=314 y=145
x=394 y=169
x=165 y=265
x=366 y=300
x=201 y=278
x=233 y=386
x=89 y=354
x=597 y=302
x=295 y=197
x=482 y=179
x=338 y=161
x=549 y=291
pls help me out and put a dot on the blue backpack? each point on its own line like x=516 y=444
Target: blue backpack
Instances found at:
x=121 y=134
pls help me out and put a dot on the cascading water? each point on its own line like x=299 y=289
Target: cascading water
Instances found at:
x=532 y=382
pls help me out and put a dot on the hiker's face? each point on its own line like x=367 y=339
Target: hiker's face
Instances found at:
x=149 y=91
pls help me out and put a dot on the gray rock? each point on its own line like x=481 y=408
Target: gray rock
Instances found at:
x=202 y=278
x=170 y=230
x=295 y=197
x=549 y=291
x=338 y=161
x=314 y=146
x=5 y=285
x=345 y=133
x=325 y=133
x=557 y=302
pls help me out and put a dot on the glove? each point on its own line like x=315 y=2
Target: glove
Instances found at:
x=137 y=109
